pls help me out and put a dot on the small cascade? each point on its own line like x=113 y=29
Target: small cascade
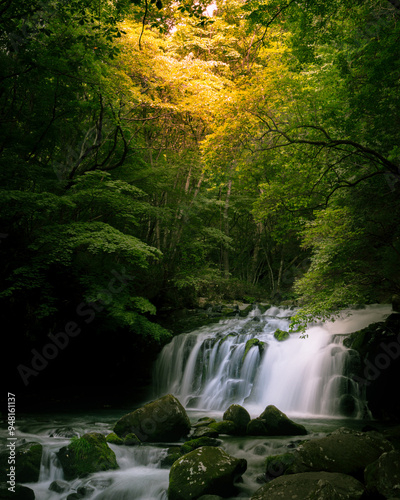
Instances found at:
x=50 y=467
x=207 y=369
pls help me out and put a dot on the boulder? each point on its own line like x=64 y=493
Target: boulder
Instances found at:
x=173 y=453
x=312 y=485
x=59 y=486
x=272 y=422
x=204 y=471
x=204 y=422
x=281 y=335
x=86 y=455
x=224 y=427
x=131 y=440
x=112 y=438
x=253 y=343
x=208 y=431
x=382 y=477
x=162 y=420
x=193 y=444
x=28 y=458
x=239 y=416
x=344 y=451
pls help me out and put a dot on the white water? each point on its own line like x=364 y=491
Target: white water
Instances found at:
x=305 y=376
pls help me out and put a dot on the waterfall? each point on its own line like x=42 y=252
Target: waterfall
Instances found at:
x=209 y=368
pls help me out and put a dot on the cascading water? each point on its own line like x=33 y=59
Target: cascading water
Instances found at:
x=216 y=366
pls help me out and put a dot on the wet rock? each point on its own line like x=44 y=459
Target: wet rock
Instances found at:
x=65 y=432
x=59 y=486
x=131 y=440
x=112 y=438
x=239 y=416
x=174 y=452
x=162 y=420
x=272 y=422
x=312 y=485
x=204 y=421
x=281 y=335
x=208 y=431
x=344 y=451
x=193 y=444
x=382 y=477
x=253 y=343
x=28 y=458
x=86 y=455
x=204 y=471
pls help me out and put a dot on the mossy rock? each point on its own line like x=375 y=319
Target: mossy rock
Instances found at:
x=239 y=416
x=112 y=438
x=382 y=476
x=287 y=463
x=246 y=311
x=204 y=471
x=204 y=422
x=163 y=420
x=281 y=335
x=253 y=343
x=208 y=431
x=86 y=455
x=131 y=440
x=174 y=452
x=28 y=458
x=193 y=444
x=224 y=427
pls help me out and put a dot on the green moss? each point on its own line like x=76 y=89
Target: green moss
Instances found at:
x=131 y=440
x=224 y=427
x=253 y=343
x=193 y=444
x=281 y=335
x=114 y=439
x=85 y=455
x=277 y=465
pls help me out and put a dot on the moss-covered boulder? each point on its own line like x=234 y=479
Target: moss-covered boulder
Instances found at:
x=162 y=420
x=131 y=440
x=272 y=422
x=193 y=444
x=287 y=463
x=27 y=463
x=281 y=335
x=204 y=422
x=239 y=416
x=224 y=427
x=112 y=438
x=344 y=451
x=312 y=485
x=253 y=343
x=208 y=431
x=204 y=471
x=86 y=455
x=382 y=477
x=173 y=453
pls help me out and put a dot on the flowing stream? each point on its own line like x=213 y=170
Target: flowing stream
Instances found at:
x=208 y=370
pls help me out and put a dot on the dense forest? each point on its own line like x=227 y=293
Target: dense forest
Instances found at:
x=155 y=152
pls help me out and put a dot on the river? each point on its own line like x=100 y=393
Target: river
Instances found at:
x=206 y=369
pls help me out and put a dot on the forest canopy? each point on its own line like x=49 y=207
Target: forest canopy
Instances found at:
x=234 y=150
